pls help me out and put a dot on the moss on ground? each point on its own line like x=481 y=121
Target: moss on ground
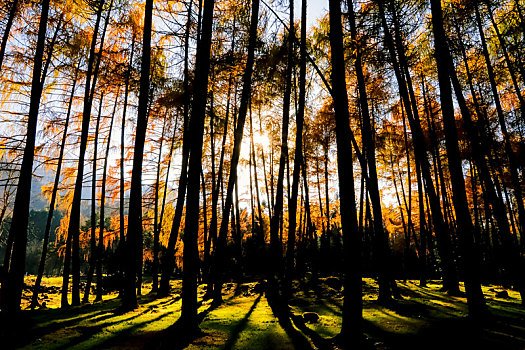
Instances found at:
x=424 y=318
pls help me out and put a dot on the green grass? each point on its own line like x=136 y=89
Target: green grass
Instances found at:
x=423 y=318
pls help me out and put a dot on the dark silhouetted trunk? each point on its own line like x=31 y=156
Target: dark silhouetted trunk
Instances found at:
x=475 y=299
x=298 y=157
x=380 y=237
x=19 y=222
x=134 y=236
x=351 y=330
x=93 y=238
x=156 y=223
x=219 y=257
x=122 y=204
x=168 y=259
x=7 y=30
x=100 y=247
x=190 y=254
x=450 y=282
x=34 y=300
x=72 y=241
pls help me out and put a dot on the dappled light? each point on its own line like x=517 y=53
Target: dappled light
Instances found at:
x=259 y=174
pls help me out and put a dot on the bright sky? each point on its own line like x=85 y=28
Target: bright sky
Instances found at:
x=315 y=9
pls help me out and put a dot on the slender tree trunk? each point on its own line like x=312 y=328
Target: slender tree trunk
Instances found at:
x=450 y=282
x=323 y=231
x=74 y=216
x=260 y=233
x=475 y=299
x=168 y=167
x=298 y=157
x=41 y=266
x=514 y=261
x=100 y=248
x=168 y=262
x=219 y=257
x=19 y=222
x=134 y=237
x=510 y=67
x=351 y=330
x=514 y=172
x=275 y=241
x=122 y=204
x=156 y=227
x=7 y=30
x=423 y=232
x=190 y=255
x=380 y=237
x=93 y=238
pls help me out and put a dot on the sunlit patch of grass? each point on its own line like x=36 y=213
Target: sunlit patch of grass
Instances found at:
x=242 y=322
x=245 y=320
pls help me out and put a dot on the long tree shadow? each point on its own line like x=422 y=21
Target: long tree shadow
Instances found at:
x=241 y=325
x=127 y=332
x=282 y=313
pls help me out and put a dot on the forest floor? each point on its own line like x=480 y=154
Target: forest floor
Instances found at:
x=424 y=318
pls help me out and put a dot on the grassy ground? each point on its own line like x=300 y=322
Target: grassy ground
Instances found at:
x=424 y=318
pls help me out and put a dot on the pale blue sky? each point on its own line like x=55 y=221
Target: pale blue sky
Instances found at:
x=316 y=10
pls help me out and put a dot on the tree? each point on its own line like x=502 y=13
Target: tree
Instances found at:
x=352 y=307
x=475 y=299
x=196 y=130
x=134 y=236
x=239 y=131
x=72 y=245
x=16 y=268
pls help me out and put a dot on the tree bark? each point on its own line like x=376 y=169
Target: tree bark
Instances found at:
x=93 y=238
x=475 y=299
x=7 y=30
x=351 y=330
x=19 y=222
x=41 y=266
x=73 y=254
x=134 y=237
x=190 y=255
x=168 y=261
x=219 y=257
x=100 y=247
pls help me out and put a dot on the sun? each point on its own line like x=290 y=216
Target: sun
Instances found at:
x=261 y=140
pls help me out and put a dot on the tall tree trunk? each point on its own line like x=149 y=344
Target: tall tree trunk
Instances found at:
x=275 y=241
x=351 y=329
x=41 y=266
x=122 y=239
x=134 y=237
x=168 y=261
x=73 y=232
x=380 y=237
x=19 y=222
x=7 y=30
x=156 y=226
x=423 y=231
x=298 y=157
x=510 y=67
x=100 y=247
x=514 y=173
x=512 y=256
x=475 y=299
x=450 y=282
x=190 y=255
x=93 y=238
x=219 y=257
x=260 y=232
x=323 y=231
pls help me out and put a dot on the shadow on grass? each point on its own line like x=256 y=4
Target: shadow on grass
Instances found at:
x=241 y=325
x=282 y=313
